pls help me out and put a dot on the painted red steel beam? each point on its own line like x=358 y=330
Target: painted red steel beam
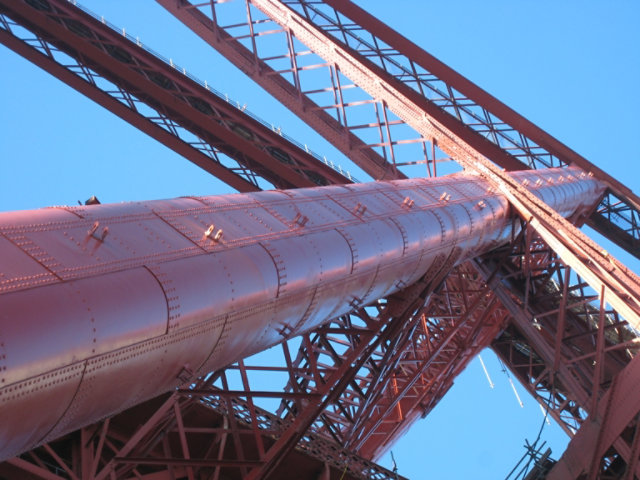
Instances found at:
x=616 y=218
x=164 y=88
x=410 y=108
x=604 y=426
x=561 y=344
x=549 y=309
x=573 y=246
x=428 y=366
x=118 y=446
x=118 y=104
x=287 y=93
x=476 y=94
x=541 y=382
x=219 y=278
x=112 y=104
x=478 y=142
x=526 y=137
x=408 y=374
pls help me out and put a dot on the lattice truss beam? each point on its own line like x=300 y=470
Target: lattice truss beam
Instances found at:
x=331 y=400
x=565 y=345
x=300 y=51
x=360 y=381
x=157 y=96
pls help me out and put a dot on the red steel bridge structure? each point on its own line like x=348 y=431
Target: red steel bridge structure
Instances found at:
x=377 y=295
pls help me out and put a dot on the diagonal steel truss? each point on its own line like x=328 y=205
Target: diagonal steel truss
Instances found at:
x=362 y=380
x=266 y=40
x=161 y=99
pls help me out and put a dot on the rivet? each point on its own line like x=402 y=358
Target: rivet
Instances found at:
x=93 y=229
x=360 y=209
x=407 y=202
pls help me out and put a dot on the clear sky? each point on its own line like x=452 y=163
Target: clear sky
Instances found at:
x=572 y=67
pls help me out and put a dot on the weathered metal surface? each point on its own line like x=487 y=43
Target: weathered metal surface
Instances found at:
x=163 y=291
x=482 y=123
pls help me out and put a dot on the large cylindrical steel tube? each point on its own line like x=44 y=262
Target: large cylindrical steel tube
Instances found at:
x=104 y=306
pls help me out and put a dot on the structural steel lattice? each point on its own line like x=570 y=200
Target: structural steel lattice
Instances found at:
x=559 y=310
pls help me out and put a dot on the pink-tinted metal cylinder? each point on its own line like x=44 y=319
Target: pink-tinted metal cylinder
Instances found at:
x=104 y=306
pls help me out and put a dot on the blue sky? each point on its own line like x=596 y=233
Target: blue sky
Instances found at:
x=572 y=67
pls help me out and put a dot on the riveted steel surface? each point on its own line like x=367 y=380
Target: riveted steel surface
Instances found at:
x=149 y=295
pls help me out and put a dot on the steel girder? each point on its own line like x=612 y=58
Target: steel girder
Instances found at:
x=88 y=81
x=397 y=75
x=219 y=278
x=339 y=32
x=614 y=206
x=291 y=260
x=406 y=377
x=200 y=432
x=425 y=118
x=159 y=98
x=65 y=17
x=569 y=349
